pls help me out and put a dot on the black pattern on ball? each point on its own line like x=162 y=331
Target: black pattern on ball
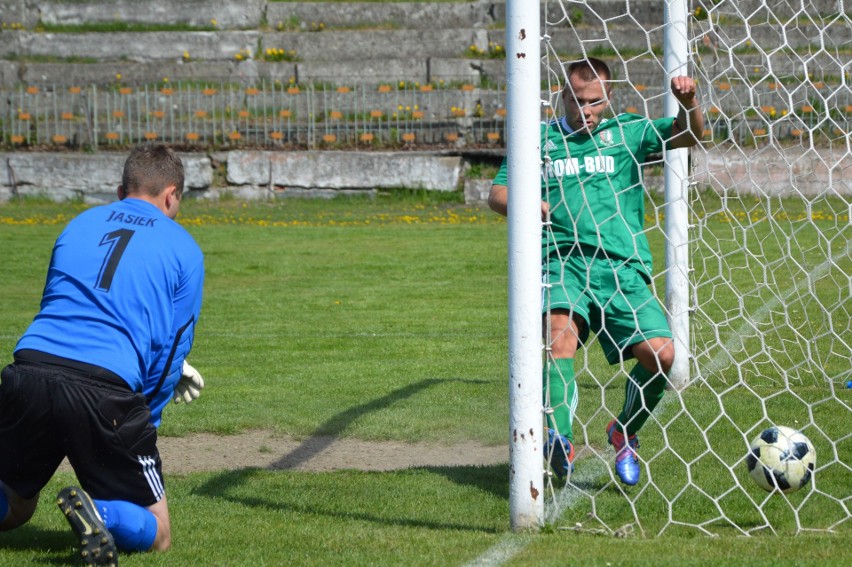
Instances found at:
x=781 y=459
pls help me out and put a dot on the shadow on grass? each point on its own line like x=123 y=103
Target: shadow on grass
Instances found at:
x=229 y=486
x=28 y=538
x=491 y=478
x=325 y=434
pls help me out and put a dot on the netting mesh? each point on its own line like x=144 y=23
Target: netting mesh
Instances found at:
x=770 y=253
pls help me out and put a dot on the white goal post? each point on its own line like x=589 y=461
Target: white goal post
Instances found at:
x=526 y=487
x=751 y=234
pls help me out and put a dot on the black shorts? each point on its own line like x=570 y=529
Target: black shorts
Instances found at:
x=48 y=412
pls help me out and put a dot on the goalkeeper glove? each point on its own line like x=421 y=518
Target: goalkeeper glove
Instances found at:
x=189 y=386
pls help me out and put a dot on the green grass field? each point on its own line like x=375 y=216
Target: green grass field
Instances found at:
x=386 y=319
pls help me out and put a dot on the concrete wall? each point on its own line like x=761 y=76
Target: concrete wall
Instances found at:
x=266 y=175
x=776 y=171
x=93 y=177
x=247 y=174
x=227 y=14
x=223 y=45
x=250 y=13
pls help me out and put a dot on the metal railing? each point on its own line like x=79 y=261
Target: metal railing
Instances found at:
x=225 y=115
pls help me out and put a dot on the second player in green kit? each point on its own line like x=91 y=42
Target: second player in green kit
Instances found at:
x=596 y=261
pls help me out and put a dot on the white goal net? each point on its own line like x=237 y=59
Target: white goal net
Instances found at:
x=769 y=232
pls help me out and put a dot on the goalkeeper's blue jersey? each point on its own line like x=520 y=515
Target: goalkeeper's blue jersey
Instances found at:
x=123 y=292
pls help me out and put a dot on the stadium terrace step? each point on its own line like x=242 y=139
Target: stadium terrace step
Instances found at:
x=16 y=75
x=350 y=42
x=354 y=46
x=386 y=15
x=253 y=14
x=231 y=45
x=228 y=14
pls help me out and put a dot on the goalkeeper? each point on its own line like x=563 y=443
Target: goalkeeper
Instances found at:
x=596 y=258
x=100 y=361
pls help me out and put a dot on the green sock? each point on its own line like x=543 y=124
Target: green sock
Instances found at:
x=642 y=393
x=560 y=394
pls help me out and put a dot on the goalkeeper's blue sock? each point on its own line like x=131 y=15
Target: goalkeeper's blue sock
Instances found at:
x=4 y=504
x=132 y=527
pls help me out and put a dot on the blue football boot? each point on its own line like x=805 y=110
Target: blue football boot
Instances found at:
x=626 y=459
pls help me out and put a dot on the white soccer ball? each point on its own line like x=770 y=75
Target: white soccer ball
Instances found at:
x=781 y=458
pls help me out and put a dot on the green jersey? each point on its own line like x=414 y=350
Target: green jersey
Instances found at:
x=593 y=184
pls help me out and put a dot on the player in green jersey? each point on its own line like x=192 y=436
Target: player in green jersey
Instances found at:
x=597 y=264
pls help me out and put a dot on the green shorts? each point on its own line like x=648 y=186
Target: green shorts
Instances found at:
x=610 y=296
